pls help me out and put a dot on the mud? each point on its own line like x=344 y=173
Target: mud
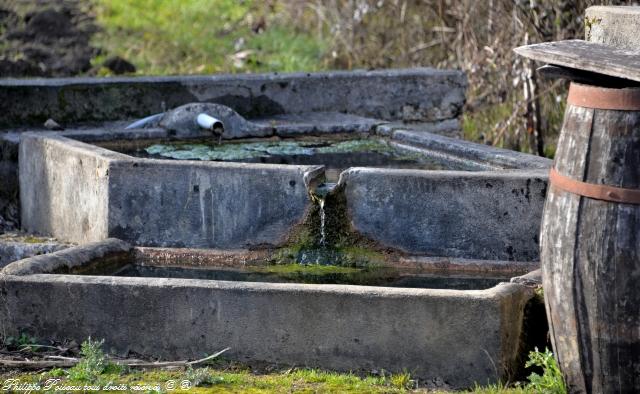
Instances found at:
x=46 y=38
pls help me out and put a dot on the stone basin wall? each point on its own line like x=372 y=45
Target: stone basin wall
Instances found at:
x=415 y=95
x=80 y=193
x=314 y=102
x=458 y=336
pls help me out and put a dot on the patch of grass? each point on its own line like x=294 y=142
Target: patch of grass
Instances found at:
x=402 y=381
x=499 y=388
x=500 y=124
x=204 y=380
x=200 y=377
x=198 y=37
x=482 y=125
x=228 y=377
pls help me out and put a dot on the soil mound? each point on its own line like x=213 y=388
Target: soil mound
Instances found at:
x=51 y=40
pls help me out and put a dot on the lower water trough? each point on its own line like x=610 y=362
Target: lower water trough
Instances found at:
x=324 y=239
x=457 y=328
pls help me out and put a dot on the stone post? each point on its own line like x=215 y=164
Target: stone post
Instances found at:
x=615 y=26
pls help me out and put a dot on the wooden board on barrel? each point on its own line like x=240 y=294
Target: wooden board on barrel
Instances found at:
x=590 y=233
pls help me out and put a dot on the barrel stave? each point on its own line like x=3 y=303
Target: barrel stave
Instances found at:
x=589 y=250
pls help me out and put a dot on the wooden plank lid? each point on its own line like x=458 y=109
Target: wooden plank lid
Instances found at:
x=587 y=56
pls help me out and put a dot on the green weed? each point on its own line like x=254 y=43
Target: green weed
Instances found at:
x=93 y=363
x=201 y=377
x=23 y=342
x=551 y=380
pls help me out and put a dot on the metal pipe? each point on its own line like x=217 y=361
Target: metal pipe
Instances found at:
x=208 y=122
x=140 y=123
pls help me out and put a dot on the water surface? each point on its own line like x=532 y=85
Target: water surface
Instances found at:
x=334 y=153
x=318 y=274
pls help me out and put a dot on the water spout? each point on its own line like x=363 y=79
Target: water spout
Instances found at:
x=320 y=193
x=208 y=122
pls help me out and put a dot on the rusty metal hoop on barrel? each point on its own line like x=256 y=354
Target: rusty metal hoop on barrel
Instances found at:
x=590 y=241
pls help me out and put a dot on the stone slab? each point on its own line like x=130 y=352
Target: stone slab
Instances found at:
x=68 y=259
x=460 y=337
x=615 y=26
x=483 y=155
x=64 y=188
x=16 y=246
x=474 y=215
x=418 y=94
x=205 y=204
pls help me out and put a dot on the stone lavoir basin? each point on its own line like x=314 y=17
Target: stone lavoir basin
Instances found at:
x=333 y=220
x=167 y=303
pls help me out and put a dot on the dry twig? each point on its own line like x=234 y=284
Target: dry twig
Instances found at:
x=67 y=362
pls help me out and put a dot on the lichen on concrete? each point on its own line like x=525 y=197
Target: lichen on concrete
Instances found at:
x=16 y=246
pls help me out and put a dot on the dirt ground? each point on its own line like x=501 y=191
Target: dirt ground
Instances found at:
x=45 y=38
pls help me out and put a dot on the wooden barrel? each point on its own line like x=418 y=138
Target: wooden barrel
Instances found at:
x=590 y=242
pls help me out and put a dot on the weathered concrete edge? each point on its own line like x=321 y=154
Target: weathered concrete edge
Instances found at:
x=67 y=259
x=229 y=78
x=512 y=328
x=416 y=94
x=531 y=279
x=502 y=306
x=72 y=145
x=467 y=265
x=83 y=254
x=14 y=250
x=481 y=154
x=50 y=169
x=520 y=174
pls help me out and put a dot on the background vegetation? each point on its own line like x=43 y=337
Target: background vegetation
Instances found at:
x=507 y=105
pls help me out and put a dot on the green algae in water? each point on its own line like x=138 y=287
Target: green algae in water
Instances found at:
x=308 y=269
x=255 y=150
x=364 y=145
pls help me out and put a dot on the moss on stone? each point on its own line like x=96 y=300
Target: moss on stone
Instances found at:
x=309 y=269
x=343 y=246
x=34 y=240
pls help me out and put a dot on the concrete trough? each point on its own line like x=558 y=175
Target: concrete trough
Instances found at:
x=459 y=336
x=74 y=186
x=79 y=192
x=479 y=214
